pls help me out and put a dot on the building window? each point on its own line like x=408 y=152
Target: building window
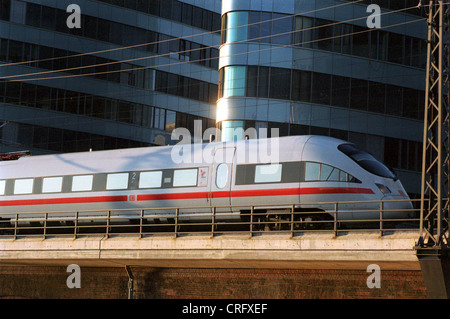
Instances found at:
x=5 y=9
x=263 y=81
x=281 y=29
x=232 y=130
x=395 y=48
x=252 y=81
x=360 y=41
x=301 y=86
x=323 y=35
x=234 y=81
x=394 y=100
x=279 y=83
x=340 y=91
x=33 y=15
x=321 y=88
x=18 y=11
x=303 y=31
x=358 y=94
x=236 y=26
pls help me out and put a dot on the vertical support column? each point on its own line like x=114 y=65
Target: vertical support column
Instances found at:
x=130 y=282
x=435 y=266
x=432 y=247
x=434 y=188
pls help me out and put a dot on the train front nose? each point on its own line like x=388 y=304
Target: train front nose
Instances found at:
x=395 y=202
x=397 y=207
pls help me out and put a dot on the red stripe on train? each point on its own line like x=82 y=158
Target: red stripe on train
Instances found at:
x=193 y=195
x=335 y=190
x=67 y=200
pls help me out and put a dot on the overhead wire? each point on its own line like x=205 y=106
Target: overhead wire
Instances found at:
x=132 y=91
x=205 y=59
x=259 y=22
x=176 y=38
x=191 y=50
x=274 y=102
x=198 y=49
x=274 y=36
x=8 y=78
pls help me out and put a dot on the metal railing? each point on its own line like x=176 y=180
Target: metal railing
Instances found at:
x=338 y=218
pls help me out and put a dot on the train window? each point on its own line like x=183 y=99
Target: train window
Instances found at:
x=291 y=172
x=334 y=175
x=23 y=186
x=245 y=174
x=185 y=177
x=150 y=179
x=52 y=184
x=2 y=187
x=325 y=172
x=268 y=173
x=222 y=175
x=117 y=181
x=82 y=183
x=312 y=171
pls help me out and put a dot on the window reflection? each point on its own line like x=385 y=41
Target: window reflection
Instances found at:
x=234 y=81
x=321 y=34
x=321 y=88
x=236 y=26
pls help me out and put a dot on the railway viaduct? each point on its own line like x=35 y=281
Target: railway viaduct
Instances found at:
x=267 y=265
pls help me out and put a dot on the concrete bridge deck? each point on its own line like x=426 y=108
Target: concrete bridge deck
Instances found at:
x=352 y=250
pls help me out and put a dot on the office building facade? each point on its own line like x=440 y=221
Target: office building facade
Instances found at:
x=130 y=74
x=315 y=67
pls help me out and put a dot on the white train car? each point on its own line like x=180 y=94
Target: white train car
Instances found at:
x=274 y=173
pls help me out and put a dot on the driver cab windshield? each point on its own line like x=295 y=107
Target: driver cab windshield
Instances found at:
x=367 y=161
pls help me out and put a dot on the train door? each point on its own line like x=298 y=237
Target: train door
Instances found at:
x=220 y=189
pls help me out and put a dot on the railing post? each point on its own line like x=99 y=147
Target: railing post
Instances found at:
x=45 y=225
x=213 y=220
x=335 y=219
x=251 y=221
x=15 y=226
x=75 y=226
x=140 y=223
x=381 y=218
x=292 y=220
x=130 y=282
x=177 y=211
x=107 y=223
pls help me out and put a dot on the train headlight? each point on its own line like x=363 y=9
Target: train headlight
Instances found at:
x=384 y=189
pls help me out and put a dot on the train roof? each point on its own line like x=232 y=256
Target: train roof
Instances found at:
x=301 y=139
x=137 y=158
x=140 y=150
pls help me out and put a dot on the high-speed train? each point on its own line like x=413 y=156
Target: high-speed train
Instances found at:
x=273 y=173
